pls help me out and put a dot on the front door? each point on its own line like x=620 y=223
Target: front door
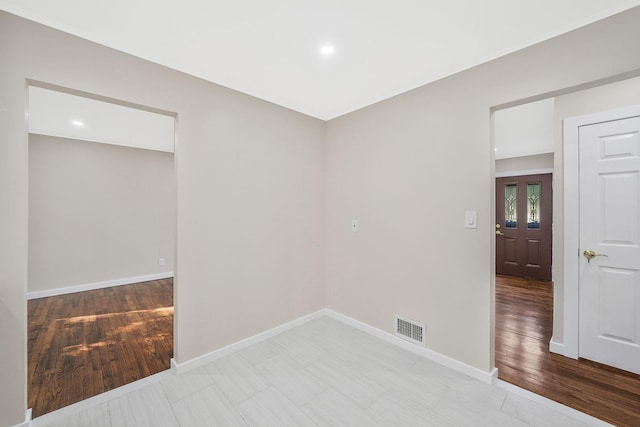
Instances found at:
x=523 y=226
x=609 y=288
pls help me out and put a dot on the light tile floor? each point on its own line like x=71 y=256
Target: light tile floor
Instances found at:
x=323 y=373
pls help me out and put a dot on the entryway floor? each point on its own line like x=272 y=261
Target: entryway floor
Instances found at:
x=524 y=314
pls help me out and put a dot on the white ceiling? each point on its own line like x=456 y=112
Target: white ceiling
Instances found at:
x=271 y=49
x=525 y=130
x=76 y=117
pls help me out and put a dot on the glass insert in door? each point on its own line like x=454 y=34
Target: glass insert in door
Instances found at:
x=511 y=206
x=533 y=205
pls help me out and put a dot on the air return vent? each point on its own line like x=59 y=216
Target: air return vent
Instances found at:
x=410 y=330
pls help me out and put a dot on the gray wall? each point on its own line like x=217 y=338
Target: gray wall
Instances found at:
x=250 y=196
x=97 y=212
x=409 y=167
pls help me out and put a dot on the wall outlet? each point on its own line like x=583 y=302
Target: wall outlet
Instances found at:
x=160 y=261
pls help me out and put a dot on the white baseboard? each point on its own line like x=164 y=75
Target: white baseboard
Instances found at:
x=556 y=347
x=486 y=377
x=494 y=375
x=98 y=285
x=551 y=404
x=27 y=419
x=196 y=362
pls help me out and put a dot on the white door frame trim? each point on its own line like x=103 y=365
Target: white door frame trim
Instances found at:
x=571 y=318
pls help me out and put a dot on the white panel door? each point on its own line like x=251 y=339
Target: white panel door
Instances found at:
x=609 y=226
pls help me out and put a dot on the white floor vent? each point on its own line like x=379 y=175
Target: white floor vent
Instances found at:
x=410 y=330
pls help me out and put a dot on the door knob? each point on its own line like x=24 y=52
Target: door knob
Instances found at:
x=499 y=233
x=590 y=254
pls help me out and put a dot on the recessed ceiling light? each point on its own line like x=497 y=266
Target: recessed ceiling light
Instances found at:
x=77 y=123
x=326 y=50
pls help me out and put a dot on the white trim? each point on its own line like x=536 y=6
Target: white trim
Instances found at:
x=557 y=347
x=571 y=241
x=27 y=419
x=524 y=172
x=494 y=375
x=98 y=285
x=558 y=407
x=196 y=362
x=60 y=414
x=571 y=324
x=486 y=377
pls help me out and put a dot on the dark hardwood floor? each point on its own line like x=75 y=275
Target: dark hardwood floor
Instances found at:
x=86 y=343
x=524 y=311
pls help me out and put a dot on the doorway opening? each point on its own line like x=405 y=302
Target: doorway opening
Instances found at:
x=530 y=315
x=101 y=245
x=524 y=164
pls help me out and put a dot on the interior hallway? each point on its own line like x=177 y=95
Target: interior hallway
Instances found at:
x=524 y=314
x=85 y=343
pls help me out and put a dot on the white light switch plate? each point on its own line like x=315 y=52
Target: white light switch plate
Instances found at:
x=354 y=225
x=471 y=219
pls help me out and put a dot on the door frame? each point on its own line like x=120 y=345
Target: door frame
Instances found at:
x=571 y=199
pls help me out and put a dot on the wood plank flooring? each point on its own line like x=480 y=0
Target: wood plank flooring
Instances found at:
x=86 y=343
x=524 y=313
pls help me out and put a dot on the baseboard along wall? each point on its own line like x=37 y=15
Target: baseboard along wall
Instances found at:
x=556 y=347
x=456 y=365
x=97 y=285
x=486 y=377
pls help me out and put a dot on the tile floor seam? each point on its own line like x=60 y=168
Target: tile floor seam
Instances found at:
x=175 y=416
x=504 y=400
x=244 y=420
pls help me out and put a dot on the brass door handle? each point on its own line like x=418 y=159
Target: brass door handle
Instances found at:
x=590 y=254
x=499 y=233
